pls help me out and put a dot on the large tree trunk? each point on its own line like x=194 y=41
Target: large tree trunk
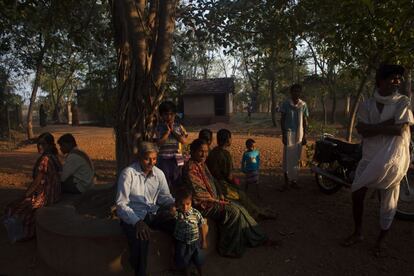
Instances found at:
x=143 y=39
x=35 y=87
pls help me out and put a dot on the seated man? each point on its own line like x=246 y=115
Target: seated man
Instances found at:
x=77 y=173
x=143 y=201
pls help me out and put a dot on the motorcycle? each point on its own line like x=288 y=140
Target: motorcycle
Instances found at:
x=335 y=165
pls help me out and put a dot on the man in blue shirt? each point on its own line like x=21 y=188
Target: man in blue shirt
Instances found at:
x=294 y=122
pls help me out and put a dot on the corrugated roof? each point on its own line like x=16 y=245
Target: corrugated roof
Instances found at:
x=209 y=86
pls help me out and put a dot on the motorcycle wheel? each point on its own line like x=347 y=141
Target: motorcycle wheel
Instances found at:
x=326 y=185
x=405 y=207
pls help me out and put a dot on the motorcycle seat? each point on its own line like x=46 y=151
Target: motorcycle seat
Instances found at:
x=345 y=147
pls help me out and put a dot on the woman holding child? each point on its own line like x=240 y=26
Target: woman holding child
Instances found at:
x=237 y=228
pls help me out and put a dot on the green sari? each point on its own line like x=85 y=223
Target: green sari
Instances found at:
x=220 y=164
x=237 y=228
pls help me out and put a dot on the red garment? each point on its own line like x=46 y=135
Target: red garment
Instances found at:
x=47 y=192
x=198 y=177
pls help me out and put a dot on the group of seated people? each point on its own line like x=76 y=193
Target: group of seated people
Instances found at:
x=160 y=190
x=163 y=191
x=144 y=202
x=50 y=179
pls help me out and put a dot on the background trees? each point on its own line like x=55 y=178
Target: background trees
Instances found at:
x=330 y=46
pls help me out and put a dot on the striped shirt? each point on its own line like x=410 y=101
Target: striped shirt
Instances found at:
x=187 y=225
x=172 y=147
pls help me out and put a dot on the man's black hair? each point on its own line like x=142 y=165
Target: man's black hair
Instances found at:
x=67 y=139
x=386 y=70
x=223 y=136
x=167 y=106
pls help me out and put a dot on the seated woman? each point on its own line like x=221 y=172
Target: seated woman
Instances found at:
x=143 y=201
x=43 y=191
x=237 y=229
x=220 y=164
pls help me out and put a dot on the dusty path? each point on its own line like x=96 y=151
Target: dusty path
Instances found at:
x=310 y=225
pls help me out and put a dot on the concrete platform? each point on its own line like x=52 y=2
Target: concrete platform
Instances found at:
x=79 y=245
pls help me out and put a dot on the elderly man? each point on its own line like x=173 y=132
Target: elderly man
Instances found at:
x=78 y=172
x=383 y=123
x=143 y=201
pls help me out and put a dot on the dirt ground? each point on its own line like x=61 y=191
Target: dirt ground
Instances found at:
x=310 y=224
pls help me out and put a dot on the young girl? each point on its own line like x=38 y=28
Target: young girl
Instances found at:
x=170 y=138
x=189 y=243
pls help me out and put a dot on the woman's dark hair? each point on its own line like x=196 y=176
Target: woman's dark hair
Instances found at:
x=48 y=139
x=67 y=139
x=223 y=136
x=206 y=134
x=183 y=193
x=167 y=106
x=197 y=143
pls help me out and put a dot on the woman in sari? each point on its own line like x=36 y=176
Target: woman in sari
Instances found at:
x=237 y=229
x=44 y=190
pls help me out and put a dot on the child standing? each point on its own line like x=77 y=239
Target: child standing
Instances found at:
x=170 y=138
x=189 y=243
x=251 y=164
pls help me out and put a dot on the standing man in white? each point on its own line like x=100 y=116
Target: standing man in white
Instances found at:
x=294 y=122
x=383 y=123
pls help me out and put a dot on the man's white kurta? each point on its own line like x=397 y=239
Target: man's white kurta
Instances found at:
x=385 y=158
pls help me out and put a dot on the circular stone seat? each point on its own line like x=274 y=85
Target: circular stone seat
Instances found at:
x=79 y=245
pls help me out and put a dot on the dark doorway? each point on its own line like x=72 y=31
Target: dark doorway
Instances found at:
x=220 y=104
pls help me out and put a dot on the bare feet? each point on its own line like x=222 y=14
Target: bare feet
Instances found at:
x=352 y=240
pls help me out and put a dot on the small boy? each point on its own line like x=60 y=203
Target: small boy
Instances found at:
x=170 y=138
x=250 y=165
x=207 y=135
x=189 y=243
